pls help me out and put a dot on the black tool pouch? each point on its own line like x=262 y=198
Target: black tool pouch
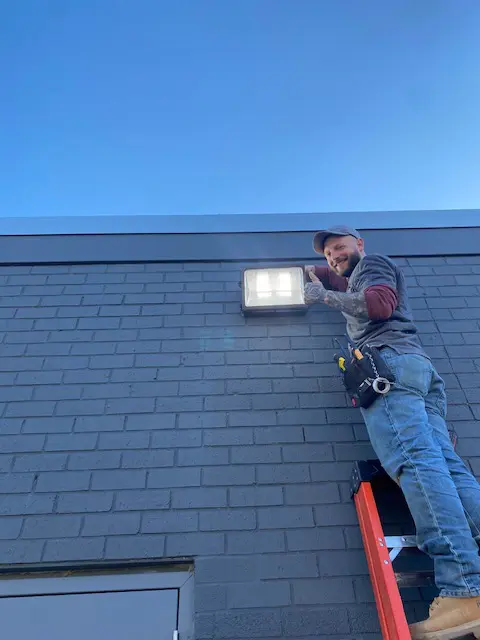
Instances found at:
x=368 y=378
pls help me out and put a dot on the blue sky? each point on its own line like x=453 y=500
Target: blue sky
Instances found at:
x=238 y=106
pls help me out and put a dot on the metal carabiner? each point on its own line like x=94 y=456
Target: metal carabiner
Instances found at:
x=381 y=386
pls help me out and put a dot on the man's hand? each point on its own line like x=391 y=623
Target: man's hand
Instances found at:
x=314 y=291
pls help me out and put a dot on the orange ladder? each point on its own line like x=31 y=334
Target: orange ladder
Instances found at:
x=369 y=481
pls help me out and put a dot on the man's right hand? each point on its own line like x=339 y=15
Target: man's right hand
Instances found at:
x=309 y=268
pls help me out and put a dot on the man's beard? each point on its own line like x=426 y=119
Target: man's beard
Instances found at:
x=353 y=260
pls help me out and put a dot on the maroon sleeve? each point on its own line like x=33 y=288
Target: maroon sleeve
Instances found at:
x=330 y=280
x=381 y=301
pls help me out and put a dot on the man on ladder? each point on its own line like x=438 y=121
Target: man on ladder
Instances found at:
x=407 y=425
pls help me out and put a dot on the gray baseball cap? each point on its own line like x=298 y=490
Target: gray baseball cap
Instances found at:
x=339 y=230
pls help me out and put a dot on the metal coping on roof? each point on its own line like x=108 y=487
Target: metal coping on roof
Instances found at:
x=239 y=223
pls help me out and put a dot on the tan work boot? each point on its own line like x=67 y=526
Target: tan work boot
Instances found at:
x=450 y=618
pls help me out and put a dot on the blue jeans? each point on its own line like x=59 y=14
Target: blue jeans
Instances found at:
x=409 y=434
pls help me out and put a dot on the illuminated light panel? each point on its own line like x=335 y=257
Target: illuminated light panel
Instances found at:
x=273 y=288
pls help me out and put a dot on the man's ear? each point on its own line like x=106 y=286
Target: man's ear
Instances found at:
x=360 y=244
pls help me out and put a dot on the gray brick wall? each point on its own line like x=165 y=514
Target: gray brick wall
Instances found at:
x=143 y=417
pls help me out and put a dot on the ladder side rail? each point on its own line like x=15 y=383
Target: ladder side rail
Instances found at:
x=390 y=609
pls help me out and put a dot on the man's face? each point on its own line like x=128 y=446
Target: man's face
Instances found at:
x=343 y=253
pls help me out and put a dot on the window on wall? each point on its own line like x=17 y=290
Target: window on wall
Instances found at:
x=141 y=604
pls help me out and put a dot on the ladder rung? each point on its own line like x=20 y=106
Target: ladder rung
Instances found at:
x=395 y=542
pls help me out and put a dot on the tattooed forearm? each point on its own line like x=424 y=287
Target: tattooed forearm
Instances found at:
x=354 y=304
x=314 y=292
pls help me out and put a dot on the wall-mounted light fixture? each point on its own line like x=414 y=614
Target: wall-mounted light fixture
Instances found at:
x=273 y=290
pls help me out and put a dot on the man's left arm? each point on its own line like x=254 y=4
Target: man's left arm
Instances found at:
x=376 y=300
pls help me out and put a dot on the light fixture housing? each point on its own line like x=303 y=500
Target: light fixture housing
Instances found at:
x=272 y=290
